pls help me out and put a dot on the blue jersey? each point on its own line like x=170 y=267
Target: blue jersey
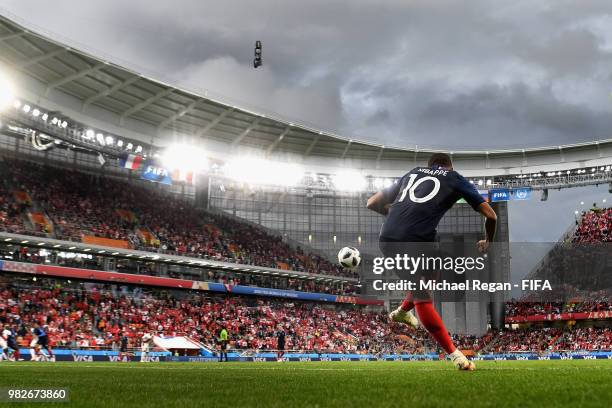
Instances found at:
x=420 y=199
x=12 y=337
x=39 y=332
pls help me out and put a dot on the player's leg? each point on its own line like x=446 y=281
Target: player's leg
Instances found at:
x=4 y=347
x=430 y=319
x=403 y=313
x=15 y=347
x=44 y=345
x=33 y=351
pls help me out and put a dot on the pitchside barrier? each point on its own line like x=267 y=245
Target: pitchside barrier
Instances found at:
x=164 y=356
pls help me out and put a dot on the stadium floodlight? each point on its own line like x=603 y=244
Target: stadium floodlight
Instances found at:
x=27 y=108
x=119 y=143
x=17 y=104
x=100 y=139
x=184 y=158
x=36 y=113
x=45 y=116
x=7 y=93
x=349 y=180
x=138 y=149
x=109 y=140
x=90 y=134
x=257 y=171
x=129 y=146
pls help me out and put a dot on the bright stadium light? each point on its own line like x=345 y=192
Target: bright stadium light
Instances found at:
x=185 y=158
x=100 y=139
x=254 y=170
x=349 y=180
x=7 y=93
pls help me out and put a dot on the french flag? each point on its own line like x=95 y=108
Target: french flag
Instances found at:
x=131 y=161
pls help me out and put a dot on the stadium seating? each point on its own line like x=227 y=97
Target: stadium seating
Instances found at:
x=144 y=217
x=594 y=226
x=91 y=315
x=596 y=303
x=228 y=277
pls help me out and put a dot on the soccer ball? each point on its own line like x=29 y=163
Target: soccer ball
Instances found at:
x=349 y=257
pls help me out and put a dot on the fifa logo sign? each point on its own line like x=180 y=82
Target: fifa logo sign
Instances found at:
x=500 y=196
x=157 y=171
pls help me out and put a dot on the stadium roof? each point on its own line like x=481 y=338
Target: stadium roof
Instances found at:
x=89 y=87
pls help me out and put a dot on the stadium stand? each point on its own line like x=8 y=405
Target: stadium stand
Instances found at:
x=133 y=266
x=595 y=303
x=594 y=226
x=82 y=206
x=94 y=316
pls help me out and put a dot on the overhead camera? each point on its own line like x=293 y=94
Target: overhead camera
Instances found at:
x=258 y=61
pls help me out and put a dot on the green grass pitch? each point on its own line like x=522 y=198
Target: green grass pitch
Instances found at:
x=576 y=383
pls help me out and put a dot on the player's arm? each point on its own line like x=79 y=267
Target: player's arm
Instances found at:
x=469 y=193
x=381 y=201
x=490 y=226
x=378 y=203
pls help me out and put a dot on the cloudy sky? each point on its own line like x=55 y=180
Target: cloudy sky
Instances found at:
x=427 y=72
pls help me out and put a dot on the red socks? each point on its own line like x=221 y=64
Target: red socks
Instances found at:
x=407 y=303
x=430 y=319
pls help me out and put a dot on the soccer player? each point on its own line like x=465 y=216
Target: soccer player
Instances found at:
x=9 y=335
x=40 y=342
x=413 y=208
x=4 y=345
x=223 y=340
x=280 y=344
x=147 y=340
x=123 y=348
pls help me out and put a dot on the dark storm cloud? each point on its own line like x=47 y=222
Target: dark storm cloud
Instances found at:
x=445 y=73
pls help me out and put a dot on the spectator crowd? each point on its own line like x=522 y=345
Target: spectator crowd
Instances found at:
x=91 y=315
x=594 y=226
x=145 y=216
